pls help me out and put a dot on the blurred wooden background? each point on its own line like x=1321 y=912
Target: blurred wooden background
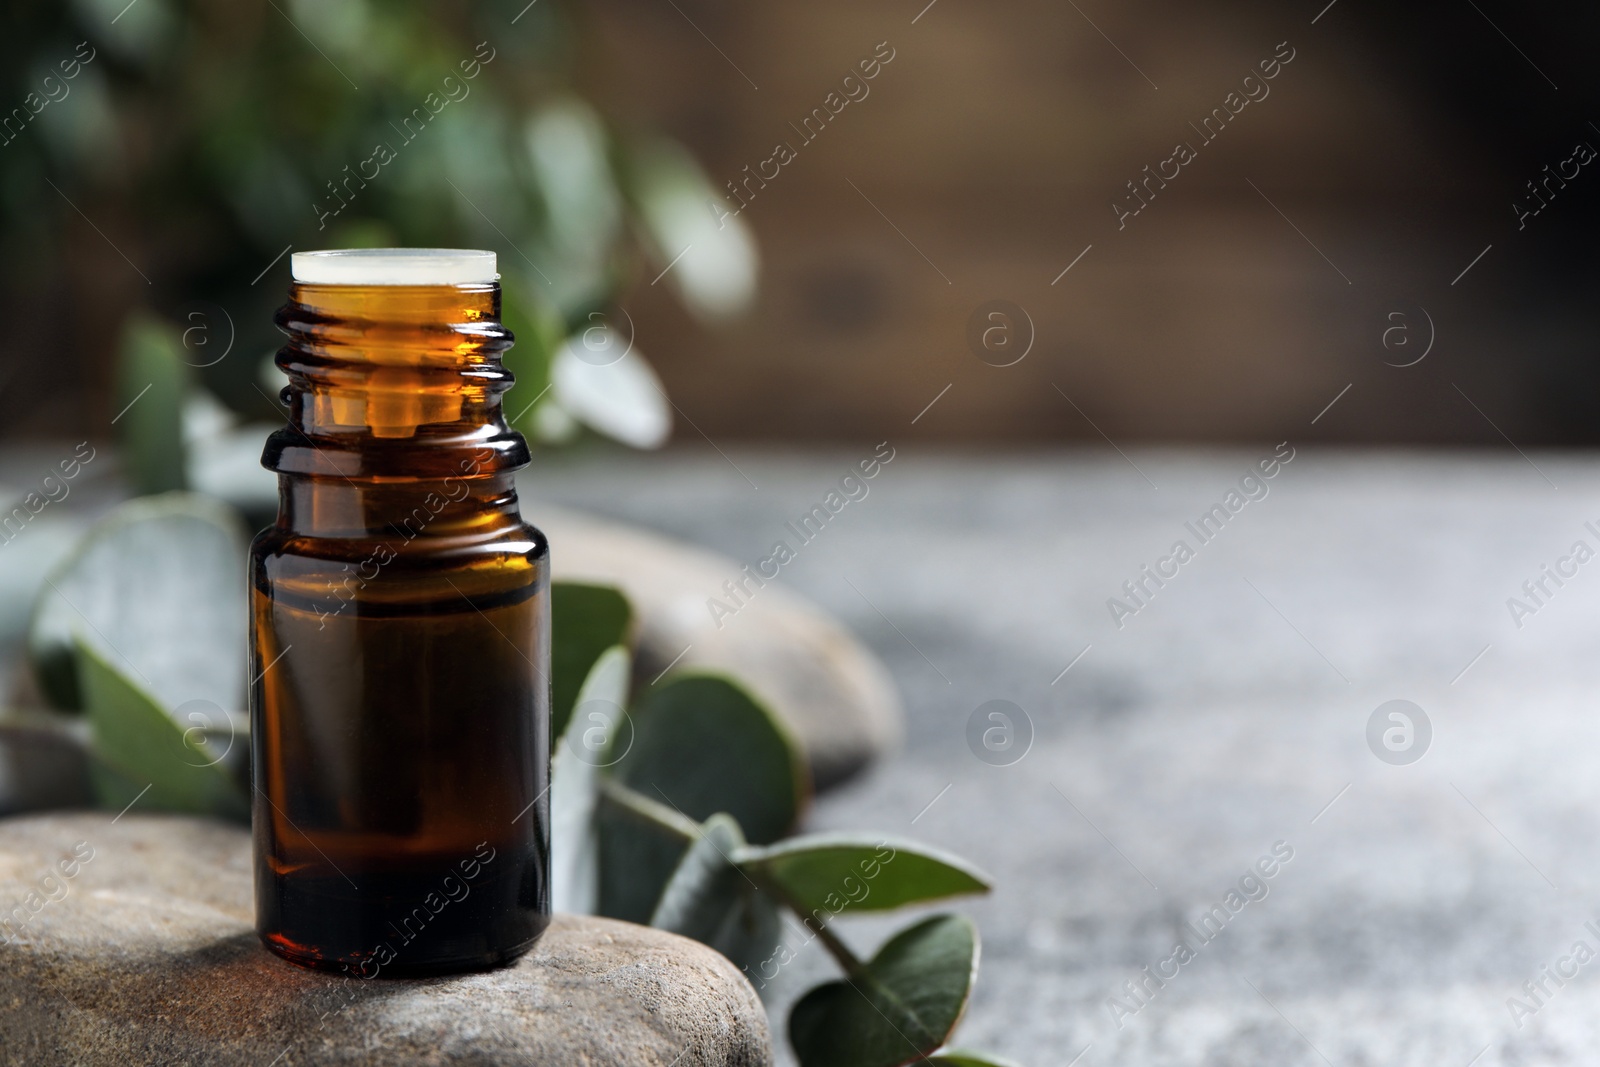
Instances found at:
x=1394 y=142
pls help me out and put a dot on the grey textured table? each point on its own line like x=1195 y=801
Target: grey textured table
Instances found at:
x=1228 y=714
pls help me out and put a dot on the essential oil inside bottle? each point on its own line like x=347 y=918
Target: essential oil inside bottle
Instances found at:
x=401 y=626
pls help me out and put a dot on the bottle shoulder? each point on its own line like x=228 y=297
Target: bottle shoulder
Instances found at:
x=380 y=575
x=519 y=538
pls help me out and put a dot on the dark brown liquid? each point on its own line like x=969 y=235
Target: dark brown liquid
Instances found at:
x=401 y=745
x=400 y=709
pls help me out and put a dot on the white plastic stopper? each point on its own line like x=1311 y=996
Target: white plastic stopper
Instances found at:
x=394 y=266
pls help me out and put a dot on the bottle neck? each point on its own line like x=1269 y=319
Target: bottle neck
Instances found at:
x=394 y=422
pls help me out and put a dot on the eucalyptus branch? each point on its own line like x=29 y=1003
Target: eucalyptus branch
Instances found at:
x=841 y=953
x=657 y=814
x=848 y=961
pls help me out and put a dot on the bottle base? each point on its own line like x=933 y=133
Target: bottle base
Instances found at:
x=406 y=922
x=371 y=966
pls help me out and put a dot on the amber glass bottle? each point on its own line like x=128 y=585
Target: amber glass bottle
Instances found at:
x=400 y=630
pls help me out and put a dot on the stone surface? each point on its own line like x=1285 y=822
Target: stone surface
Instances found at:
x=833 y=693
x=1228 y=714
x=147 y=955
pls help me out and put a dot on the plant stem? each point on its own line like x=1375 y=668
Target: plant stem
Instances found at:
x=668 y=819
x=653 y=812
x=847 y=960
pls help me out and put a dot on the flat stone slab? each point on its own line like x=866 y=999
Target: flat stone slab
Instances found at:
x=134 y=943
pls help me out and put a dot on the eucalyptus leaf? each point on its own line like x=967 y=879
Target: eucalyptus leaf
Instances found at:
x=538 y=330
x=705 y=885
x=136 y=742
x=613 y=392
x=751 y=933
x=694 y=227
x=204 y=416
x=897 y=1009
x=585 y=620
x=152 y=380
x=711 y=900
x=835 y=873
x=553 y=424
x=569 y=154
x=113 y=788
x=960 y=1057
x=642 y=841
x=704 y=745
x=575 y=784
x=159 y=584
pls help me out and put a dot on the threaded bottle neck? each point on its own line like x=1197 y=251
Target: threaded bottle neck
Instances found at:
x=394 y=382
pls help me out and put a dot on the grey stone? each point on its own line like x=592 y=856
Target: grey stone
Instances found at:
x=1219 y=719
x=832 y=693
x=147 y=954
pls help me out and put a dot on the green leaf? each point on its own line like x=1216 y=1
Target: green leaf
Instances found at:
x=152 y=380
x=159 y=584
x=569 y=156
x=693 y=225
x=603 y=381
x=895 y=1010
x=135 y=742
x=586 y=620
x=580 y=751
x=642 y=842
x=703 y=888
x=842 y=872
x=704 y=745
x=113 y=789
x=709 y=899
x=751 y=933
x=539 y=330
x=960 y=1057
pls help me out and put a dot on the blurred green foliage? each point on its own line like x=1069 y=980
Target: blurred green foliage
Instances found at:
x=200 y=140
